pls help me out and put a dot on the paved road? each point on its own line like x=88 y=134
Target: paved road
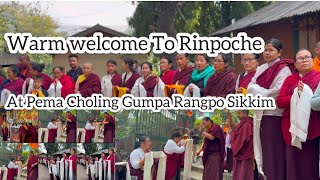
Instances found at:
x=43 y=172
x=81 y=172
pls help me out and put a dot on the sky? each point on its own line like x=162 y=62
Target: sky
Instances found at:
x=76 y=16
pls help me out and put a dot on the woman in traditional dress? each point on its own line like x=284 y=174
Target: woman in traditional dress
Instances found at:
x=166 y=72
x=128 y=78
x=267 y=81
x=148 y=85
x=111 y=159
x=62 y=84
x=73 y=158
x=200 y=75
x=213 y=150
x=111 y=80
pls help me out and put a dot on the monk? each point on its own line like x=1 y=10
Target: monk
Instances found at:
x=32 y=167
x=173 y=149
x=12 y=169
x=166 y=72
x=52 y=130
x=62 y=84
x=36 y=69
x=75 y=70
x=73 y=158
x=109 y=128
x=88 y=83
x=90 y=130
x=182 y=75
x=5 y=131
x=316 y=60
x=148 y=85
x=250 y=63
x=268 y=80
x=33 y=133
x=223 y=81
x=23 y=131
x=213 y=150
x=309 y=151
x=130 y=76
x=242 y=146
x=136 y=159
x=71 y=127
x=24 y=66
x=111 y=80
x=12 y=85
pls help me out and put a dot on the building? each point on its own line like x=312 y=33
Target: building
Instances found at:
x=98 y=60
x=295 y=23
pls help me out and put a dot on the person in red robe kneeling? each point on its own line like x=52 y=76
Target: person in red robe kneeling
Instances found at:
x=173 y=149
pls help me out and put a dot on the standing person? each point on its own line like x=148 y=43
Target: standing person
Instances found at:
x=250 y=63
x=52 y=130
x=136 y=159
x=75 y=70
x=24 y=66
x=268 y=80
x=213 y=150
x=173 y=149
x=306 y=130
x=136 y=66
x=111 y=80
x=33 y=133
x=90 y=130
x=242 y=146
x=183 y=73
x=52 y=169
x=316 y=60
x=88 y=83
x=71 y=127
x=130 y=76
x=223 y=81
x=195 y=135
x=32 y=167
x=200 y=75
x=148 y=85
x=5 y=131
x=62 y=84
x=73 y=158
x=111 y=158
x=23 y=131
x=166 y=72
x=12 y=169
x=109 y=128
x=227 y=130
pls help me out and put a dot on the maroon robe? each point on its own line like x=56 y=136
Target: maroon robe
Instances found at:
x=296 y=169
x=111 y=158
x=89 y=136
x=242 y=147
x=52 y=134
x=213 y=154
x=67 y=85
x=91 y=85
x=12 y=173
x=182 y=77
x=73 y=158
x=109 y=130
x=116 y=79
x=135 y=172
x=244 y=81
x=14 y=86
x=32 y=172
x=130 y=82
x=22 y=134
x=1 y=79
x=167 y=77
x=46 y=81
x=173 y=165
x=5 y=133
x=222 y=84
x=33 y=134
x=149 y=85
x=71 y=129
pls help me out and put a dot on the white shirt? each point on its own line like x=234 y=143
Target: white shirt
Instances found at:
x=238 y=80
x=172 y=147
x=128 y=76
x=135 y=89
x=89 y=127
x=275 y=86
x=12 y=165
x=135 y=156
x=52 y=126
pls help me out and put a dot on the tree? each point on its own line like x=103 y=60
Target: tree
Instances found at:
x=18 y=18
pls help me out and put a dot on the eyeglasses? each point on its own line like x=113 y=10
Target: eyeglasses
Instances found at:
x=302 y=59
x=247 y=60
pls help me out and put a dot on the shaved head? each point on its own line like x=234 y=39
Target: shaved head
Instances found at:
x=317 y=50
x=87 y=68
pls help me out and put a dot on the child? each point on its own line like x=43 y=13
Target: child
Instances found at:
x=37 y=87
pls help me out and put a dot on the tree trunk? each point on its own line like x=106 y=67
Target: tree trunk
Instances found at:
x=225 y=14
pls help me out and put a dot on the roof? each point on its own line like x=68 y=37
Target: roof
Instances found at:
x=99 y=28
x=99 y=152
x=62 y=151
x=273 y=12
x=7 y=59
